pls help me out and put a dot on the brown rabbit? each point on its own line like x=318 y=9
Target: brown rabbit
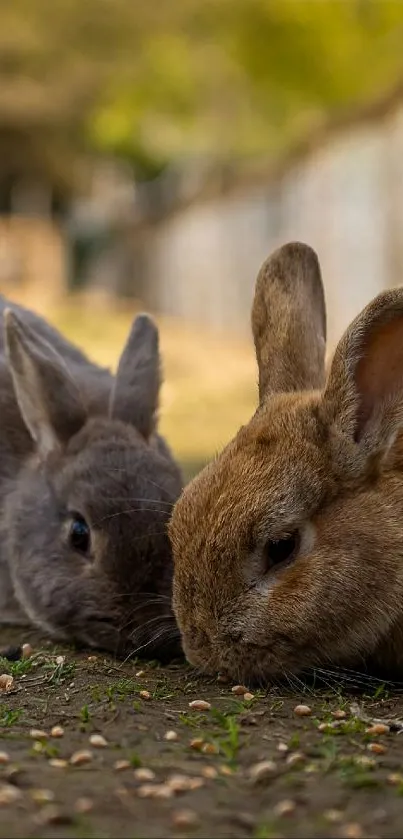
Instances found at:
x=288 y=548
x=86 y=490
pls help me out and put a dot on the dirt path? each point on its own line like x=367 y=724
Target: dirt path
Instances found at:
x=315 y=783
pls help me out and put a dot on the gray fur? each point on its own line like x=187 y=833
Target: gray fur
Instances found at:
x=73 y=438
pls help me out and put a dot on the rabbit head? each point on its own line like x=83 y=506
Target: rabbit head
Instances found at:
x=85 y=519
x=288 y=548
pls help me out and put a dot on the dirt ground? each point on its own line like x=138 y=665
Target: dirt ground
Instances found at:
x=324 y=776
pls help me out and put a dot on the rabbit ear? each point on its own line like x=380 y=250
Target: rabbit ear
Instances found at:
x=289 y=321
x=364 y=391
x=135 y=395
x=48 y=398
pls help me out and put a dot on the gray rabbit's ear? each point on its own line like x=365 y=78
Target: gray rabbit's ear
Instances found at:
x=289 y=321
x=135 y=394
x=48 y=398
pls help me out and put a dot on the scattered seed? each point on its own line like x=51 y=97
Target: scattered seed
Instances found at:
x=295 y=757
x=197 y=744
x=378 y=728
x=183 y=819
x=248 y=696
x=284 y=808
x=377 y=748
x=365 y=761
x=226 y=770
x=171 y=736
x=60 y=660
x=38 y=734
x=140 y=674
x=38 y=747
x=302 y=710
x=42 y=796
x=84 y=805
x=6 y=682
x=144 y=774
x=324 y=726
x=333 y=816
x=58 y=763
x=145 y=694
x=183 y=783
x=209 y=772
x=352 y=831
x=282 y=748
x=9 y=794
x=92 y=658
x=339 y=714
x=80 y=758
x=163 y=791
x=262 y=770
x=98 y=741
x=395 y=778
x=4 y=758
x=239 y=690
x=210 y=749
x=26 y=651
x=200 y=705
x=121 y=765
x=57 y=731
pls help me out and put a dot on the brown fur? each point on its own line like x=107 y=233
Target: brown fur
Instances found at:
x=321 y=457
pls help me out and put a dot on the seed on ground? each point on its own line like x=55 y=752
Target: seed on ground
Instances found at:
x=262 y=770
x=197 y=744
x=92 y=658
x=60 y=659
x=377 y=748
x=295 y=757
x=81 y=757
x=239 y=690
x=378 y=728
x=333 y=816
x=183 y=783
x=57 y=731
x=365 y=761
x=210 y=749
x=144 y=774
x=9 y=794
x=42 y=796
x=282 y=748
x=26 y=651
x=248 y=696
x=98 y=741
x=226 y=770
x=58 y=763
x=302 y=710
x=121 y=765
x=200 y=705
x=339 y=714
x=395 y=778
x=145 y=694
x=352 y=831
x=140 y=674
x=184 y=819
x=4 y=758
x=284 y=808
x=324 y=726
x=84 y=805
x=209 y=772
x=38 y=734
x=171 y=736
x=6 y=682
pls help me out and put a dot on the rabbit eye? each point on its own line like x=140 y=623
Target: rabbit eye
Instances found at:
x=79 y=534
x=277 y=551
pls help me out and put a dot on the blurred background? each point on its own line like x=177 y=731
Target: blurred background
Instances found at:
x=153 y=154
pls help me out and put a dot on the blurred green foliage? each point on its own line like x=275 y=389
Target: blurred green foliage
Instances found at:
x=152 y=81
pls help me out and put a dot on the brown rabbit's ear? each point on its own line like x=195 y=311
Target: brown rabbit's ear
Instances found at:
x=138 y=379
x=48 y=398
x=289 y=321
x=364 y=392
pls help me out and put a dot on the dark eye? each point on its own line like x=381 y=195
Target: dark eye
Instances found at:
x=79 y=534
x=277 y=551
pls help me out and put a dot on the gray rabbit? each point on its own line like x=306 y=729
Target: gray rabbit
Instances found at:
x=86 y=490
